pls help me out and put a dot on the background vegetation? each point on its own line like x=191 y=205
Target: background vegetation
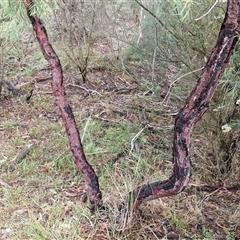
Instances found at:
x=127 y=72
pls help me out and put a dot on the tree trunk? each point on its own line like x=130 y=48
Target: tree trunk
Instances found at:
x=196 y=105
x=83 y=166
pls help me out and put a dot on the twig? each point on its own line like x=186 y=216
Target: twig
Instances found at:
x=42 y=79
x=172 y=84
x=11 y=88
x=181 y=12
x=136 y=137
x=207 y=11
x=90 y=221
x=140 y=26
x=212 y=193
x=87 y=90
x=160 y=21
x=213 y=189
x=124 y=90
x=85 y=128
x=39 y=93
x=20 y=157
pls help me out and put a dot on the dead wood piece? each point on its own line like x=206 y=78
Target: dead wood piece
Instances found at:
x=43 y=79
x=28 y=97
x=20 y=157
x=33 y=81
x=124 y=90
x=85 y=89
x=11 y=88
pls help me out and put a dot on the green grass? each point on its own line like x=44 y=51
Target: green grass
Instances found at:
x=43 y=197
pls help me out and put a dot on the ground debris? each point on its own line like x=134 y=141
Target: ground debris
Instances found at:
x=4 y=234
x=20 y=157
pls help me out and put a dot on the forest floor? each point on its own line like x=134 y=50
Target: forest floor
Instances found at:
x=126 y=128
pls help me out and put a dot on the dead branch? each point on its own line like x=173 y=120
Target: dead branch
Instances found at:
x=20 y=157
x=85 y=89
x=11 y=88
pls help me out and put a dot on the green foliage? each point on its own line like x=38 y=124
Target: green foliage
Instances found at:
x=14 y=20
x=43 y=8
x=172 y=35
x=11 y=19
x=231 y=236
x=208 y=234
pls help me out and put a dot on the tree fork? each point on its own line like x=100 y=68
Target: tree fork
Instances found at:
x=91 y=179
x=196 y=105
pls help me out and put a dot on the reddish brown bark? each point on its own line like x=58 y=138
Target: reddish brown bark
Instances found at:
x=196 y=105
x=83 y=166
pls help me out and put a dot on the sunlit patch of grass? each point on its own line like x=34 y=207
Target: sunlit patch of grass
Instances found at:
x=64 y=162
x=100 y=141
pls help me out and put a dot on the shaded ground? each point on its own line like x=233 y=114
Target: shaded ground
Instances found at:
x=127 y=133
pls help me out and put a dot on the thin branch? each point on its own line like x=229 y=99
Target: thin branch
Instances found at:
x=207 y=11
x=140 y=26
x=85 y=89
x=172 y=84
x=159 y=20
x=181 y=12
x=136 y=137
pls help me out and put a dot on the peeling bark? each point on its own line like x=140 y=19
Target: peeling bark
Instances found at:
x=83 y=166
x=196 y=105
